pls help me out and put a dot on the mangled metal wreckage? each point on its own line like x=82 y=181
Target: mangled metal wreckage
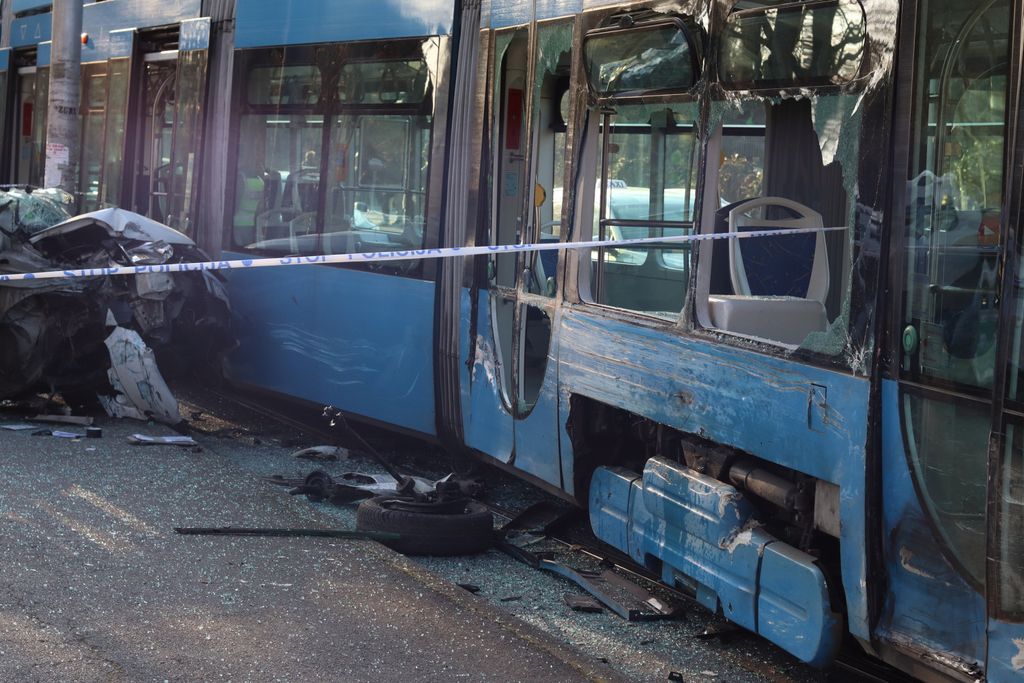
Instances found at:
x=105 y=335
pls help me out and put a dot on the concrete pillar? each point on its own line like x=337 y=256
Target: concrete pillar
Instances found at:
x=63 y=127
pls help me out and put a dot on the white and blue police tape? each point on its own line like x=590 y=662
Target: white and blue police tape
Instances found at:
x=381 y=256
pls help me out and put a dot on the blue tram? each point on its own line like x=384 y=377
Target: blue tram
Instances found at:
x=816 y=435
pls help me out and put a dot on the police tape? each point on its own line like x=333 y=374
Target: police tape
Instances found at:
x=406 y=255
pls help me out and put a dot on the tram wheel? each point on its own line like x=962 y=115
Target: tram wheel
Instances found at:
x=429 y=533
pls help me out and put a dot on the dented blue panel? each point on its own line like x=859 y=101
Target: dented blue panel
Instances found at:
x=793 y=607
x=5 y=59
x=347 y=338
x=43 y=54
x=704 y=535
x=698 y=526
x=611 y=499
x=928 y=604
x=714 y=557
x=487 y=423
x=1005 y=653
x=803 y=417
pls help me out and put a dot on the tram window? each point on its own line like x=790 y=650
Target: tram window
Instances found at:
x=953 y=227
x=377 y=183
x=805 y=44
x=391 y=82
x=648 y=184
x=277 y=168
x=341 y=171
x=771 y=174
x=284 y=85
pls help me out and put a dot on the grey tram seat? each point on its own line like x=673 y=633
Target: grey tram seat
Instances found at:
x=779 y=283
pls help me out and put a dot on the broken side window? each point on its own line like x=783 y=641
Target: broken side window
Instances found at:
x=784 y=164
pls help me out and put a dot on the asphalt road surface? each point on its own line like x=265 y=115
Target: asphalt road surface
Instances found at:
x=96 y=586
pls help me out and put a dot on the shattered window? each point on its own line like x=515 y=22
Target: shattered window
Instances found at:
x=799 y=44
x=953 y=226
x=656 y=57
x=28 y=212
x=550 y=113
x=776 y=172
x=647 y=188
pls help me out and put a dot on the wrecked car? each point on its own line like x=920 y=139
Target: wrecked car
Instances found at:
x=54 y=333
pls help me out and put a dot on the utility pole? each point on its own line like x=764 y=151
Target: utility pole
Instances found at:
x=63 y=142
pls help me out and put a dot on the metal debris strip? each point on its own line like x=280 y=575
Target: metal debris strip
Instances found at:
x=620 y=595
x=627 y=599
x=81 y=420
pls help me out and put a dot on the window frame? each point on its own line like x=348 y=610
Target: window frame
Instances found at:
x=329 y=59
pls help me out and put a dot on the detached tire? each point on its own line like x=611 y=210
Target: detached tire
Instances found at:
x=423 y=533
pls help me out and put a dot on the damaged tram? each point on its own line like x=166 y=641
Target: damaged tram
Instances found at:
x=816 y=435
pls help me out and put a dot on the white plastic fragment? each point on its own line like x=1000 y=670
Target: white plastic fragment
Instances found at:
x=322 y=453
x=151 y=440
x=142 y=393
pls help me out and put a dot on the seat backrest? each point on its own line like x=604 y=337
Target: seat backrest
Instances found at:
x=778 y=266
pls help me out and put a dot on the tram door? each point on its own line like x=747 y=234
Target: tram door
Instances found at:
x=164 y=137
x=530 y=77
x=938 y=414
x=156 y=184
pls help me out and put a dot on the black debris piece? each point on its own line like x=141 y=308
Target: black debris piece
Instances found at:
x=582 y=603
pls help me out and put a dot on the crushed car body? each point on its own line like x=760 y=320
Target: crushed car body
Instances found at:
x=53 y=332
